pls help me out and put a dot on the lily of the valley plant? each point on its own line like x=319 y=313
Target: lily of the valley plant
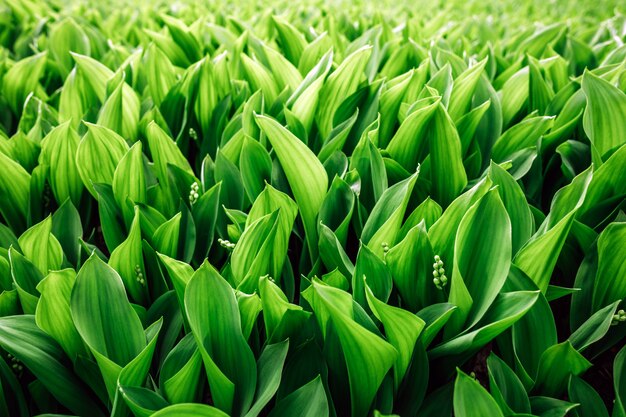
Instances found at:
x=346 y=209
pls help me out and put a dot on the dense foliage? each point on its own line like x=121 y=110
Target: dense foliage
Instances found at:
x=312 y=210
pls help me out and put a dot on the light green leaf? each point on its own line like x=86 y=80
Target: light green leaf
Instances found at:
x=605 y=104
x=306 y=175
x=214 y=319
x=472 y=400
x=97 y=156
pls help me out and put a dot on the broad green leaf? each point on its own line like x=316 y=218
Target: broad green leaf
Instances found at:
x=59 y=153
x=409 y=144
x=482 y=258
x=40 y=246
x=556 y=366
x=605 y=104
x=307 y=401
x=506 y=388
x=25 y=276
x=179 y=378
x=256 y=167
x=127 y=261
x=538 y=257
x=514 y=201
x=214 y=319
x=142 y=401
x=591 y=403
x=20 y=336
x=359 y=346
x=507 y=309
x=447 y=172
x=472 y=400
x=341 y=83
x=53 y=311
x=105 y=319
x=120 y=112
x=611 y=264
x=14 y=193
x=22 y=79
x=129 y=184
x=384 y=223
x=161 y=75
x=593 y=329
x=305 y=173
x=279 y=315
x=251 y=257
x=402 y=328
x=270 y=368
x=97 y=156
x=189 y=410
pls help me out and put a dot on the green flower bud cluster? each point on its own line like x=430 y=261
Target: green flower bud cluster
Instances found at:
x=193 y=134
x=226 y=244
x=439 y=274
x=619 y=317
x=139 y=275
x=16 y=365
x=193 y=193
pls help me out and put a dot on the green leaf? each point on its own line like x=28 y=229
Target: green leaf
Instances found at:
x=14 y=193
x=514 y=201
x=129 y=184
x=214 y=319
x=447 y=172
x=40 y=246
x=520 y=136
x=384 y=223
x=590 y=402
x=401 y=328
x=127 y=260
x=58 y=151
x=605 y=104
x=463 y=90
x=279 y=315
x=606 y=288
x=189 y=410
x=53 y=311
x=256 y=167
x=305 y=173
x=105 y=319
x=20 y=336
x=537 y=258
x=179 y=378
x=507 y=309
x=506 y=388
x=120 y=111
x=25 y=276
x=141 y=401
x=471 y=399
x=97 y=156
x=166 y=236
x=408 y=146
x=341 y=83
x=270 y=368
x=481 y=260
x=594 y=328
x=359 y=346
x=251 y=258
x=22 y=79
x=555 y=367
x=307 y=401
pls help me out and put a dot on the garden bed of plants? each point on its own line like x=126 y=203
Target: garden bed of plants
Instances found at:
x=312 y=209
